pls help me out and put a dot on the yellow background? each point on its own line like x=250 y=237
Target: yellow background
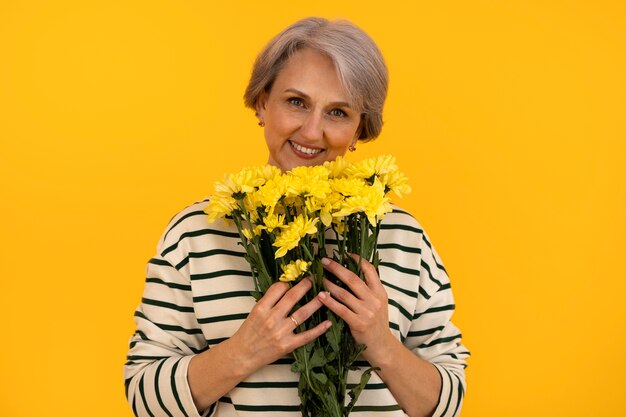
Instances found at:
x=508 y=116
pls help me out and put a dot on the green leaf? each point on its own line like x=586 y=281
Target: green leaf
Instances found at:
x=300 y=356
x=251 y=260
x=330 y=371
x=354 y=352
x=333 y=335
x=318 y=358
x=356 y=391
x=319 y=268
x=376 y=260
x=322 y=378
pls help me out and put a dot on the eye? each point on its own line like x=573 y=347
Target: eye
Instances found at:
x=338 y=113
x=296 y=101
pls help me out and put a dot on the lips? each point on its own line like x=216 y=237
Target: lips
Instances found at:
x=305 y=151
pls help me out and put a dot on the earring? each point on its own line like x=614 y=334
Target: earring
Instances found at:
x=261 y=123
x=352 y=148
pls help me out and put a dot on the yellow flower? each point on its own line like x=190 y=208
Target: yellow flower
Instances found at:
x=271 y=192
x=397 y=182
x=293 y=270
x=256 y=231
x=244 y=181
x=349 y=186
x=219 y=207
x=267 y=172
x=326 y=214
x=315 y=172
x=274 y=221
x=336 y=168
x=366 y=168
x=312 y=204
x=247 y=233
x=291 y=234
x=339 y=225
x=371 y=201
x=251 y=202
x=307 y=181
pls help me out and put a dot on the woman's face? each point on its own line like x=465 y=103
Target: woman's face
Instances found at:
x=307 y=114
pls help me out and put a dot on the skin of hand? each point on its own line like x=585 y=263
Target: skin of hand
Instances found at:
x=414 y=382
x=268 y=332
x=266 y=335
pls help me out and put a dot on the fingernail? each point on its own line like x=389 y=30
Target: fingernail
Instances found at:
x=327 y=325
x=325 y=261
x=323 y=295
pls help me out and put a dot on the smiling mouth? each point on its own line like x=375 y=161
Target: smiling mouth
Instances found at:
x=305 y=150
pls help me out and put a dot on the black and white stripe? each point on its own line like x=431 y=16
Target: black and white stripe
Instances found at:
x=197 y=294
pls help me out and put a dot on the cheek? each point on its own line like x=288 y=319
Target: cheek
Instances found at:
x=281 y=126
x=273 y=135
x=342 y=137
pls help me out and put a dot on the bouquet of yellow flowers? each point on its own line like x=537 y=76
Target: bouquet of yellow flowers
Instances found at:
x=287 y=223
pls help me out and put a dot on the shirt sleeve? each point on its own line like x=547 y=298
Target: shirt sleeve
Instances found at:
x=167 y=336
x=433 y=337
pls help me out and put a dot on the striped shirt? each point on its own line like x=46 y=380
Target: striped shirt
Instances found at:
x=197 y=294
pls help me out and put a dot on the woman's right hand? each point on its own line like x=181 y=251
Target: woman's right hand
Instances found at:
x=268 y=332
x=266 y=335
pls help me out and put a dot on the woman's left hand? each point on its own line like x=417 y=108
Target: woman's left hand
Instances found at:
x=364 y=309
x=413 y=381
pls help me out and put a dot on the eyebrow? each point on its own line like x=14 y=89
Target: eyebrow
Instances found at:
x=306 y=96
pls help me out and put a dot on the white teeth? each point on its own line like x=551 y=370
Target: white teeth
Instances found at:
x=307 y=151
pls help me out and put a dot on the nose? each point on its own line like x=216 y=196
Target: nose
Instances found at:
x=312 y=128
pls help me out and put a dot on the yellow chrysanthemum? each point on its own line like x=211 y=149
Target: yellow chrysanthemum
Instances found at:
x=252 y=202
x=339 y=225
x=349 y=186
x=267 y=172
x=315 y=172
x=240 y=183
x=250 y=234
x=271 y=192
x=307 y=182
x=273 y=221
x=397 y=182
x=337 y=167
x=247 y=233
x=219 y=207
x=326 y=215
x=371 y=201
x=366 y=168
x=291 y=234
x=312 y=204
x=294 y=270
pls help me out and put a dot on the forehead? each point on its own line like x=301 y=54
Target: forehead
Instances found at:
x=313 y=73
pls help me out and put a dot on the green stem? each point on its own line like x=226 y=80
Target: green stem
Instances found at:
x=306 y=251
x=259 y=254
x=344 y=241
x=362 y=249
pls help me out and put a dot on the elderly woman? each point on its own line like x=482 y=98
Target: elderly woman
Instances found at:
x=204 y=347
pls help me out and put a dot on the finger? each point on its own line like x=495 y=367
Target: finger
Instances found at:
x=339 y=309
x=358 y=287
x=372 y=279
x=307 y=310
x=301 y=339
x=343 y=296
x=291 y=297
x=273 y=294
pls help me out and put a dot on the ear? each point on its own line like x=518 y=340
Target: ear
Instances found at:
x=359 y=130
x=261 y=103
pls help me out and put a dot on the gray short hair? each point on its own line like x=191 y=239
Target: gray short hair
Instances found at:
x=359 y=63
